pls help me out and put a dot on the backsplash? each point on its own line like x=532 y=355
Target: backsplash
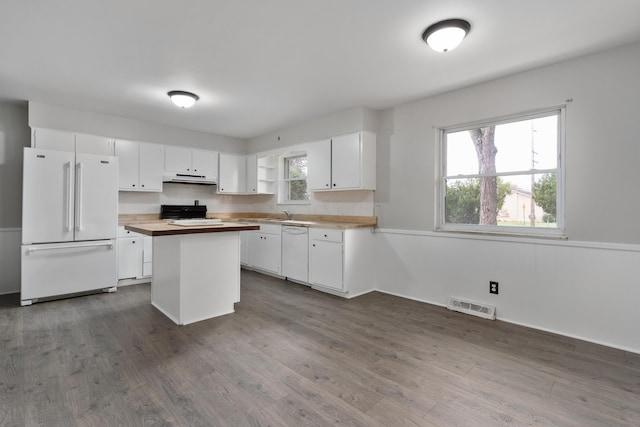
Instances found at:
x=351 y=203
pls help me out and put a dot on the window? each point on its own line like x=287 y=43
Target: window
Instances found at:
x=295 y=180
x=503 y=176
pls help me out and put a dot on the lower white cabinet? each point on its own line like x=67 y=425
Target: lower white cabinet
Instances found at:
x=147 y=256
x=265 y=252
x=244 y=247
x=341 y=261
x=326 y=258
x=134 y=255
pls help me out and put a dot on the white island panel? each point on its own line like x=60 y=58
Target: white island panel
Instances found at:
x=196 y=276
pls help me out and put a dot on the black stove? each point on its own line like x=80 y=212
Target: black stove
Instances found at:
x=183 y=211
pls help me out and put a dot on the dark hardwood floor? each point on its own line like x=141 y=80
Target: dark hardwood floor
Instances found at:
x=291 y=356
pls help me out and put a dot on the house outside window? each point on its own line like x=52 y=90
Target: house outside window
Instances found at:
x=503 y=176
x=294 y=188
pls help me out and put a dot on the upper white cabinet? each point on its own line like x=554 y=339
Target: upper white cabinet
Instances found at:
x=94 y=144
x=252 y=174
x=59 y=140
x=319 y=165
x=232 y=174
x=346 y=162
x=177 y=159
x=191 y=161
x=141 y=165
x=51 y=139
x=204 y=162
x=247 y=174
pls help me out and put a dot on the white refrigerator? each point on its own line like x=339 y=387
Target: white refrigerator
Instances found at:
x=69 y=223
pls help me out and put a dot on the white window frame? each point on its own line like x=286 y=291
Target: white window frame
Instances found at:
x=283 y=193
x=441 y=157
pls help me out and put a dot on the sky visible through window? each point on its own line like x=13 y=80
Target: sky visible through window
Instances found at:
x=518 y=143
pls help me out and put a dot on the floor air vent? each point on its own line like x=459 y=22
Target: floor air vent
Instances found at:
x=475 y=309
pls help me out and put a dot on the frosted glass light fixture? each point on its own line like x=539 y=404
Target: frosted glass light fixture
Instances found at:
x=446 y=35
x=183 y=99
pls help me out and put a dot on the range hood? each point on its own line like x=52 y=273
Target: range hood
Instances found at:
x=189 y=179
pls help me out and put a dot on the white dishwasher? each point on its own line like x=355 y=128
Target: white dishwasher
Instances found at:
x=295 y=253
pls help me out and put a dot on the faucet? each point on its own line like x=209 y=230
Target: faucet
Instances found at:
x=288 y=214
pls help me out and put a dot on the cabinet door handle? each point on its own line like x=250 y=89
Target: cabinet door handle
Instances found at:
x=325 y=235
x=326 y=185
x=314 y=245
x=334 y=185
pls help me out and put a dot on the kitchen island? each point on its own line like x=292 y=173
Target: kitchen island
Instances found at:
x=196 y=269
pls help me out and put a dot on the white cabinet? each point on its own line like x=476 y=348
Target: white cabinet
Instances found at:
x=94 y=144
x=232 y=174
x=177 y=159
x=191 y=161
x=346 y=162
x=247 y=174
x=151 y=156
x=59 y=140
x=52 y=139
x=341 y=261
x=204 y=162
x=147 y=256
x=140 y=165
x=252 y=174
x=319 y=165
x=134 y=255
x=244 y=247
x=325 y=258
x=295 y=253
x=265 y=248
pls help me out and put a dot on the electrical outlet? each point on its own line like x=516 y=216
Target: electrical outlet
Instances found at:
x=493 y=288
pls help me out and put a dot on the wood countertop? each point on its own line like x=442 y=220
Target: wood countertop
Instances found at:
x=162 y=228
x=338 y=222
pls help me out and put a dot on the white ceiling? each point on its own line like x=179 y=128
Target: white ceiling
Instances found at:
x=261 y=65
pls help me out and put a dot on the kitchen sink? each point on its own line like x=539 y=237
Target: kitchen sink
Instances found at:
x=285 y=221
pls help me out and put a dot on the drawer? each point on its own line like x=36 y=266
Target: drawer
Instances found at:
x=325 y=234
x=126 y=233
x=268 y=229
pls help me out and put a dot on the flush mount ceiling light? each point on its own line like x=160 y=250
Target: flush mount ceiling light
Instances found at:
x=446 y=35
x=183 y=99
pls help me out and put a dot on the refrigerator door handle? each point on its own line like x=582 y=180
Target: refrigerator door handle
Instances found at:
x=30 y=249
x=69 y=201
x=79 y=196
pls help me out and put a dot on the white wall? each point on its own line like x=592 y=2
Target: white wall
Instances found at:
x=587 y=287
x=338 y=123
x=295 y=138
x=54 y=117
x=10 y=240
x=14 y=136
x=49 y=116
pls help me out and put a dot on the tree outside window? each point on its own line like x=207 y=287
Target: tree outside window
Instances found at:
x=295 y=178
x=503 y=176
